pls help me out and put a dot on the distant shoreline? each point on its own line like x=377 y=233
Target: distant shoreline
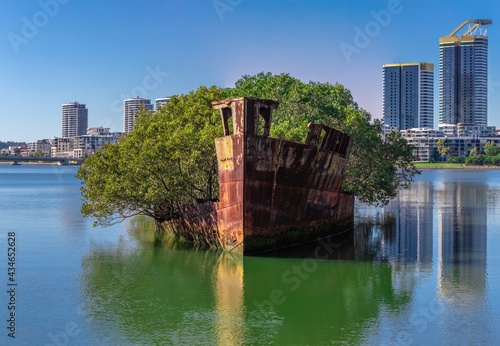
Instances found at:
x=32 y=164
x=459 y=166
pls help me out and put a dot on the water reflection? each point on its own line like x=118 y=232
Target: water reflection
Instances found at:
x=415 y=272
x=364 y=286
x=164 y=293
x=462 y=219
x=228 y=291
x=402 y=231
x=147 y=293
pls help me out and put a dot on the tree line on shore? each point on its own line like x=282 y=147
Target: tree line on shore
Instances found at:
x=489 y=154
x=168 y=161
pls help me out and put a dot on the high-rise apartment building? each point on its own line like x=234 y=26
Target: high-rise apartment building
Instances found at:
x=408 y=95
x=161 y=102
x=463 y=75
x=75 y=119
x=130 y=109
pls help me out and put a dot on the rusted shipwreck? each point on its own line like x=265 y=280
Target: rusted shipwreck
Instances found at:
x=273 y=192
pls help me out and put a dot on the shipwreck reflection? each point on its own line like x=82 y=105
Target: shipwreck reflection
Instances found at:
x=165 y=291
x=228 y=290
x=160 y=291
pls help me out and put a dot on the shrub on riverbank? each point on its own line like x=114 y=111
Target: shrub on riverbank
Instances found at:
x=480 y=160
x=490 y=155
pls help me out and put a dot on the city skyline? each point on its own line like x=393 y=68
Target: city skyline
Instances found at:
x=180 y=47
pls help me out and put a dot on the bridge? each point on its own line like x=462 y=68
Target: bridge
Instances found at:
x=16 y=160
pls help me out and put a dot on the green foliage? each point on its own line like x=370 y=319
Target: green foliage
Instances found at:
x=491 y=149
x=496 y=160
x=443 y=147
x=474 y=160
x=168 y=160
x=375 y=170
x=487 y=160
x=455 y=159
x=492 y=156
x=299 y=102
x=474 y=152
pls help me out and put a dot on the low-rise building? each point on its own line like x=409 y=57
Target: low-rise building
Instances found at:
x=15 y=150
x=423 y=132
x=460 y=138
x=83 y=146
x=94 y=140
x=40 y=147
x=61 y=146
x=464 y=130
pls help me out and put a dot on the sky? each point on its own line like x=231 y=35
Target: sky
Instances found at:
x=101 y=52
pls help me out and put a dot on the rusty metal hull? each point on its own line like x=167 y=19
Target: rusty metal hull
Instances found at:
x=275 y=192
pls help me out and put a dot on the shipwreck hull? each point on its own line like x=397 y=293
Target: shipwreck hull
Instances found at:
x=275 y=192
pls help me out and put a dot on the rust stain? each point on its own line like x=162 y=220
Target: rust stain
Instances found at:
x=271 y=187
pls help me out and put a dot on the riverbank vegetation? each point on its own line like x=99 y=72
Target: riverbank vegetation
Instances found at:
x=488 y=155
x=168 y=161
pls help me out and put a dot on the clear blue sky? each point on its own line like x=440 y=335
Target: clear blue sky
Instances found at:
x=100 y=52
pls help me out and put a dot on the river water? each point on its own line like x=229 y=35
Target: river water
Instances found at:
x=423 y=270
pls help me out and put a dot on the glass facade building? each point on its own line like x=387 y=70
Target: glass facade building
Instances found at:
x=408 y=95
x=463 y=78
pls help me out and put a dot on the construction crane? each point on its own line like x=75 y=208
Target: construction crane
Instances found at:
x=473 y=28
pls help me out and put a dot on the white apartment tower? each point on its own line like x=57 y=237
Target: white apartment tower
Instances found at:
x=161 y=102
x=75 y=119
x=130 y=109
x=408 y=95
x=463 y=75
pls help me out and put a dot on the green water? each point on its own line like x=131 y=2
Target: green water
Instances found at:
x=424 y=270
